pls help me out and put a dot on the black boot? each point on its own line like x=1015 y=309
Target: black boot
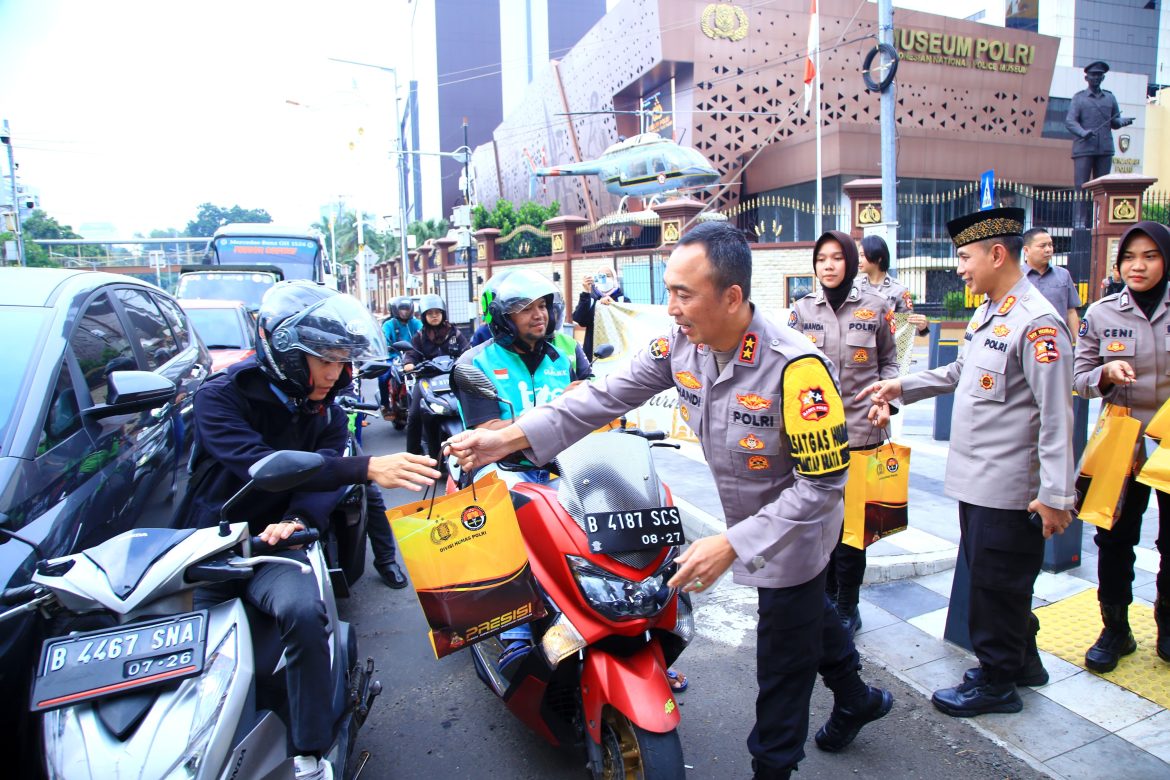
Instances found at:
x=1162 y=619
x=761 y=771
x=847 y=610
x=846 y=720
x=1115 y=641
x=978 y=697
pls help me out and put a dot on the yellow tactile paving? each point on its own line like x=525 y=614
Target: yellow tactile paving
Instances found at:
x=1070 y=626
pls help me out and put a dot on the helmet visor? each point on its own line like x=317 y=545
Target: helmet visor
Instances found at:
x=520 y=289
x=338 y=329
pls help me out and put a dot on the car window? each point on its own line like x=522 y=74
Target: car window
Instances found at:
x=101 y=346
x=21 y=354
x=150 y=327
x=178 y=320
x=64 y=416
x=220 y=328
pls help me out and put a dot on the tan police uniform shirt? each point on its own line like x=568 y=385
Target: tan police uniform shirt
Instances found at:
x=1011 y=428
x=1114 y=328
x=858 y=339
x=772 y=429
x=894 y=292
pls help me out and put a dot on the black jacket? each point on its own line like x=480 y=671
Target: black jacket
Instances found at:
x=583 y=315
x=422 y=347
x=238 y=420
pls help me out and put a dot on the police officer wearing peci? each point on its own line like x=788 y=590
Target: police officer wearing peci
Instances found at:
x=854 y=330
x=1122 y=356
x=1010 y=454
x=766 y=410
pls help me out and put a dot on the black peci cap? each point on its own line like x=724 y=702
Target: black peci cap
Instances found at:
x=1097 y=67
x=986 y=224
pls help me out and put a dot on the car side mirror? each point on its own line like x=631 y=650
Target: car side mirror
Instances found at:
x=603 y=351
x=132 y=391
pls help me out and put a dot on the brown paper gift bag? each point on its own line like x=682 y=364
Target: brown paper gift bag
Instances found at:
x=468 y=564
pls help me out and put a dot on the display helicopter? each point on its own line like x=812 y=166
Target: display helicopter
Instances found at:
x=641 y=166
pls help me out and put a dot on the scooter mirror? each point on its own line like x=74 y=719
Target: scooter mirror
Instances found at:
x=372 y=369
x=401 y=346
x=602 y=351
x=469 y=379
x=284 y=470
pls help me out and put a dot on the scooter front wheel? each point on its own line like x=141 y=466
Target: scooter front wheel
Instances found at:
x=632 y=753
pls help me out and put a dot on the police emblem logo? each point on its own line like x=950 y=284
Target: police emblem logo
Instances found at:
x=1007 y=305
x=684 y=413
x=987 y=381
x=861 y=356
x=1116 y=346
x=457 y=640
x=751 y=442
x=1046 y=351
x=1081 y=331
x=792 y=320
x=660 y=348
x=813 y=405
x=753 y=402
x=442 y=533
x=892 y=465
x=757 y=463
x=864 y=314
x=473 y=518
x=1001 y=330
x=906 y=299
x=747 y=350
x=688 y=380
x=890 y=322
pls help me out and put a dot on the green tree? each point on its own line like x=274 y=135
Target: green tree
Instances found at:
x=41 y=225
x=505 y=217
x=211 y=217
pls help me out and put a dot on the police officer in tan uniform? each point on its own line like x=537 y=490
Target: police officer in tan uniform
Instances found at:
x=854 y=330
x=1010 y=464
x=1123 y=355
x=766 y=409
x=874 y=265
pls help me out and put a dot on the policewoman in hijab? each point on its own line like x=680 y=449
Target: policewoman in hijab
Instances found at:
x=854 y=329
x=1123 y=356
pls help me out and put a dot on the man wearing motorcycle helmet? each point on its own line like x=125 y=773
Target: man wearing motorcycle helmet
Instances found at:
x=528 y=358
x=437 y=337
x=401 y=325
x=307 y=338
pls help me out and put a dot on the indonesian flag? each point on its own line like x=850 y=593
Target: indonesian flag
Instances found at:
x=814 y=43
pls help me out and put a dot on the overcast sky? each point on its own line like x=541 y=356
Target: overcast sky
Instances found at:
x=133 y=113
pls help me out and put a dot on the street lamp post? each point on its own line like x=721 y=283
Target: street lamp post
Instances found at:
x=6 y=139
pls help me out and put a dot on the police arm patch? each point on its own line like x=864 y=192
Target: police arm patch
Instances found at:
x=814 y=418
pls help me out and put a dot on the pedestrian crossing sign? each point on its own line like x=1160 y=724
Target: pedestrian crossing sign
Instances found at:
x=987 y=190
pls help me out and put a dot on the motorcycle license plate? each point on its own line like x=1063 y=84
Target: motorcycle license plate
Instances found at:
x=636 y=529
x=115 y=660
x=439 y=384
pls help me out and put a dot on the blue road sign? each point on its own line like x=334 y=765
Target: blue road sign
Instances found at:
x=987 y=190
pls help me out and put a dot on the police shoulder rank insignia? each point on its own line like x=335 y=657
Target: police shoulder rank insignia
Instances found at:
x=864 y=314
x=1007 y=305
x=660 y=348
x=1001 y=330
x=753 y=402
x=814 y=418
x=757 y=463
x=861 y=356
x=1116 y=346
x=688 y=380
x=747 y=350
x=1081 y=331
x=792 y=319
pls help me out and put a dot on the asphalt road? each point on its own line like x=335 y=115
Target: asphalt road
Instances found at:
x=436 y=719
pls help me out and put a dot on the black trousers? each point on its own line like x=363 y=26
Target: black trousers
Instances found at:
x=1115 y=546
x=1004 y=554
x=1086 y=169
x=798 y=634
x=414 y=427
x=378 y=528
x=845 y=573
x=293 y=601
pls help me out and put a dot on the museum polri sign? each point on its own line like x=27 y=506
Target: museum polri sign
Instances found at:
x=963 y=51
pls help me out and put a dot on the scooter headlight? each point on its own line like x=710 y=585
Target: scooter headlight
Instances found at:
x=617 y=598
x=209 y=692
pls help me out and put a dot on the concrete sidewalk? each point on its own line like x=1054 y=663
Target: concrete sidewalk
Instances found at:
x=1079 y=725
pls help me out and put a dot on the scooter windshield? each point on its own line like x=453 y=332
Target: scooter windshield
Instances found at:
x=609 y=472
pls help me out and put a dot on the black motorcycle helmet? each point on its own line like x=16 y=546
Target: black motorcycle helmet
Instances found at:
x=299 y=318
x=515 y=292
x=403 y=308
x=430 y=303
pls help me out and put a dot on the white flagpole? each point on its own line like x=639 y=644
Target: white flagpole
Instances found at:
x=819 y=222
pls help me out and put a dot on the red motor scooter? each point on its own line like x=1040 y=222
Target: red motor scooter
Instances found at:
x=601 y=538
